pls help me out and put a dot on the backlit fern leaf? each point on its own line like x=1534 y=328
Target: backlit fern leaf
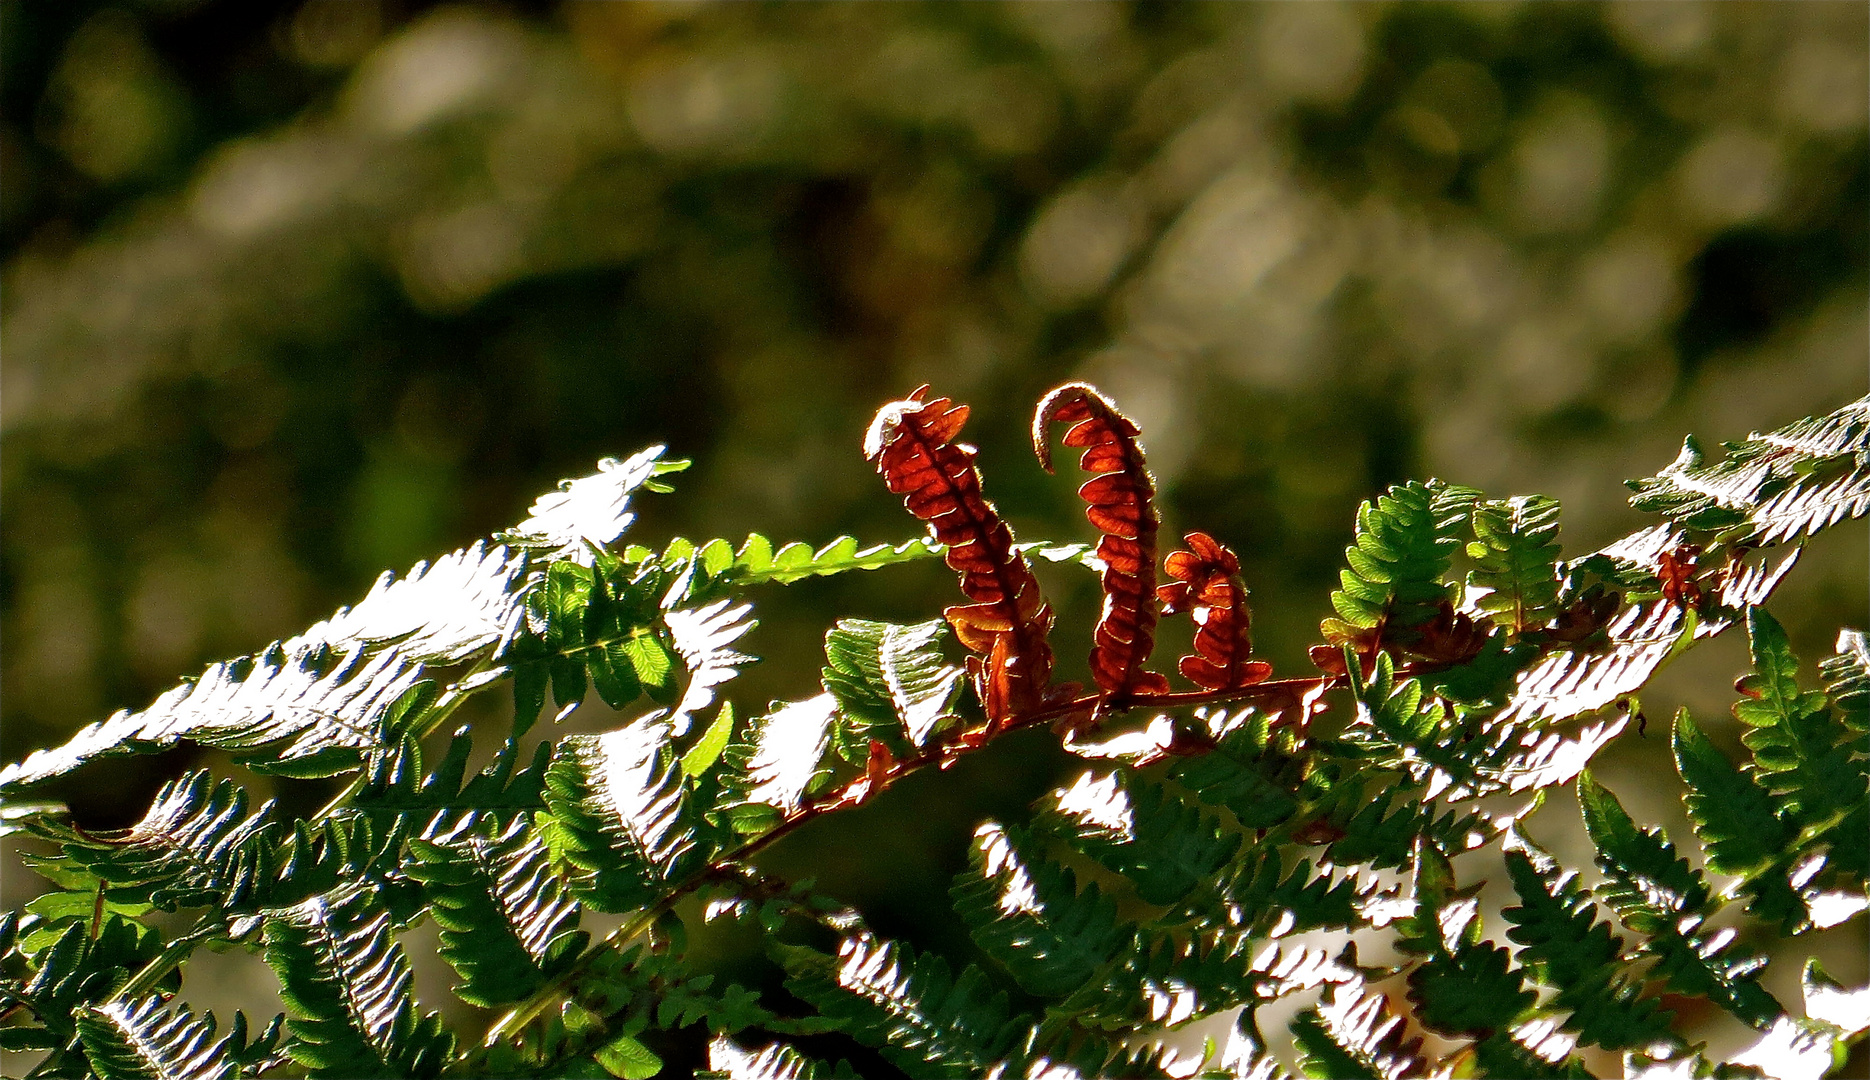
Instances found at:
x=304 y=712
x=1394 y=584
x=1801 y=752
x=1515 y=550
x=397 y=786
x=143 y=1041
x=591 y=511
x=1770 y=488
x=1463 y=986
x=507 y=926
x=1563 y=945
x=890 y=682
x=912 y=1008
x=1739 y=826
x=1160 y=841
x=1354 y=1035
x=349 y=994
x=196 y=847
x=727 y=1060
x=1656 y=893
x=79 y=966
x=616 y=812
x=1030 y=915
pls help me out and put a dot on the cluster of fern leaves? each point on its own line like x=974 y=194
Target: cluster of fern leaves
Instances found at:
x=1217 y=827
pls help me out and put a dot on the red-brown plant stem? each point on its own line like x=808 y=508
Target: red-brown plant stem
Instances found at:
x=1119 y=500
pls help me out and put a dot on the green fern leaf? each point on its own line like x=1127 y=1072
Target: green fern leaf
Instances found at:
x=1655 y=892
x=506 y=925
x=1158 y=840
x=1770 y=488
x=76 y=967
x=1464 y=985
x=1251 y=773
x=912 y=1008
x=1515 y=551
x=1354 y=1036
x=1404 y=542
x=1300 y=900
x=1564 y=946
x=890 y=681
x=1030 y=915
x=1801 y=752
x=396 y=788
x=616 y=811
x=1742 y=831
x=348 y=991
x=144 y=1041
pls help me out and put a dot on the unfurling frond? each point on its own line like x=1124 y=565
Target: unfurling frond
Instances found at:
x=1119 y=500
x=1207 y=584
x=348 y=993
x=912 y=443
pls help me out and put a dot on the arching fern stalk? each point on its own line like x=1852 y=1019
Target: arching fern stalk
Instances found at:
x=1475 y=672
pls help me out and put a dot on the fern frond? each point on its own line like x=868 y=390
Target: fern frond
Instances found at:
x=305 y=712
x=912 y=1008
x=616 y=811
x=890 y=681
x=591 y=511
x=1353 y=1035
x=727 y=1060
x=1770 y=488
x=1252 y=773
x=1801 y=752
x=704 y=638
x=349 y=993
x=1404 y=542
x=780 y=759
x=76 y=968
x=1463 y=985
x=1655 y=892
x=1644 y=635
x=1515 y=550
x=397 y=788
x=1030 y=915
x=1158 y=840
x=507 y=927
x=143 y=1041
x=1847 y=679
x=1742 y=831
x=440 y=612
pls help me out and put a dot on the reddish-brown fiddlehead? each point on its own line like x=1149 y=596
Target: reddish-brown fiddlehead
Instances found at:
x=1119 y=500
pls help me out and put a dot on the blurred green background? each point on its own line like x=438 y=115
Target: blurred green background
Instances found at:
x=295 y=293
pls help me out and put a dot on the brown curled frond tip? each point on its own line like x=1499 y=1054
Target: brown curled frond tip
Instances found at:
x=1207 y=584
x=1120 y=500
x=912 y=443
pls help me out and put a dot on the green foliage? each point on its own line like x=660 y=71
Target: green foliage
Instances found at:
x=1514 y=549
x=1165 y=884
x=1405 y=540
x=347 y=990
